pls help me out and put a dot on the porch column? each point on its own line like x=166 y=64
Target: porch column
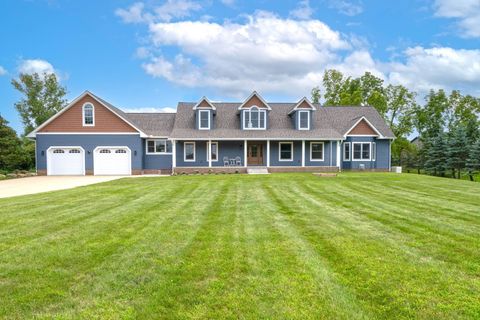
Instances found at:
x=268 y=153
x=303 y=153
x=245 y=153
x=338 y=154
x=174 y=155
x=209 y=155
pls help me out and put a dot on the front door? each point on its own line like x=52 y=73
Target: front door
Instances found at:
x=255 y=153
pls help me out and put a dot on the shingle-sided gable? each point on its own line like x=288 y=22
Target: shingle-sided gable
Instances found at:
x=71 y=119
x=363 y=128
x=254 y=100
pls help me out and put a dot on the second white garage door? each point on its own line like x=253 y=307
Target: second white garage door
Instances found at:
x=112 y=161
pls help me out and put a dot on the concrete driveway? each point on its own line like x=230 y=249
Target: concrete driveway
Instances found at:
x=31 y=185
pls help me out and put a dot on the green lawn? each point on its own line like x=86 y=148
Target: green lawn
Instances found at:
x=284 y=246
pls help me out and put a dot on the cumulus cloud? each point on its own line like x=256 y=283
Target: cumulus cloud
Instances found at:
x=39 y=66
x=134 y=14
x=2 y=71
x=149 y=110
x=466 y=12
x=228 y=2
x=303 y=11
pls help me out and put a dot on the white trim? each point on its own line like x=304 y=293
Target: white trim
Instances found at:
x=34 y=132
x=323 y=151
x=280 y=151
x=245 y=153
x=255 y=139
x=338 y=155
x=374 y=151
x=363 y=135
x=155 y=147
x=268 y=153
x=254 y=93
x=303 y=153
x=308 y=119
x=99 y=133
x=304 y=99
x=174 y=154
x=113 y=147
x=361 y=151
x=83 y=115
x=185 y=154
x=197 y=106
x=349 y=151
x=210 y=152
x=200 y=119
x=64 y=147
x=260 y=111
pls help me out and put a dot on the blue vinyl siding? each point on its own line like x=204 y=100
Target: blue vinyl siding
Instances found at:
x=155 y=161
x=89 y=143
x=382 y=159
x=230 y=149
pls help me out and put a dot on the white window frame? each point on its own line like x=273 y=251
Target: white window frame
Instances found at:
x=349 y=149
x=361 y=151
x=185 y=154
x=280 y=151
x=155 y=147
x=208 y=153
x=373 y=151
x=323 y=150
x=308 y=120
x=260 y=111
x=83 y=115
x=200 y=120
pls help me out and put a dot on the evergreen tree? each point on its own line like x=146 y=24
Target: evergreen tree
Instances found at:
x=473 y=161
x=458 y=147
x=436 y=158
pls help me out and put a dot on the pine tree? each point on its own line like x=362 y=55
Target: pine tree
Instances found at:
x=458 y=148
x=436 y=162
x=473 y=161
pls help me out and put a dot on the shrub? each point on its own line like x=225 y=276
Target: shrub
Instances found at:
x=2 y=177
x=11 y=175
x=236 y=171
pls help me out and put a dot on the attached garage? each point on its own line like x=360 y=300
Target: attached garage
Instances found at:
x=112 y=161
x=65 y=161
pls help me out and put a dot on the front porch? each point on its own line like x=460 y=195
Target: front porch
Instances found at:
x=205 y=156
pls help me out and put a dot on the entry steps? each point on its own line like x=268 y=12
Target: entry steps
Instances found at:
x=257 y=170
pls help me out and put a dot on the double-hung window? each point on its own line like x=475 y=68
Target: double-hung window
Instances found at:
x=204 y=119
x=88 y=115
x=214 y=152
x=304 y=120
x=361 y=151
x=189 y=151
x=159 y=146
x=285 y=152
x=316 y=151
x=254 y=119
x=346 y=151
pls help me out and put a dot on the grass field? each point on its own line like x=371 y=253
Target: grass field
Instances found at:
x=284 y=246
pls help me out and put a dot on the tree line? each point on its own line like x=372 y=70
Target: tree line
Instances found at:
x=447 y=124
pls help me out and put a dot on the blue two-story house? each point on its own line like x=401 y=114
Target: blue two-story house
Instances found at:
x=91 y=136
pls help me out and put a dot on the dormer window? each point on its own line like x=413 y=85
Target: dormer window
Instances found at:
x=303 y=120
x=254 y=119
x=88 y=115
x=204 y=119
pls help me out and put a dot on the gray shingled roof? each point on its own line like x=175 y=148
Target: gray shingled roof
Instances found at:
x=153 y=124
x=329 y=123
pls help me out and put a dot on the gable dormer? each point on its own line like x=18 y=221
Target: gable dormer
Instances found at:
x=302 y=115
x=254 y=113
x=204 y=112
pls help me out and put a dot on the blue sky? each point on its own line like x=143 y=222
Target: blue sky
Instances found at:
x=149 y=55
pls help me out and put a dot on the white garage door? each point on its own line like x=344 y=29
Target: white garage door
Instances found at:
x=65 y=161
x=112 y=161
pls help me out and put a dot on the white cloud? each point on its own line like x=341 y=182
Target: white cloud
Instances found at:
x=2 y=71
x=166 y=12
x=466 y=12
x=134 y=14
x=149 y=110
x=228 y=2
x=349 y=8
x=39 y=66
x=303 y=11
